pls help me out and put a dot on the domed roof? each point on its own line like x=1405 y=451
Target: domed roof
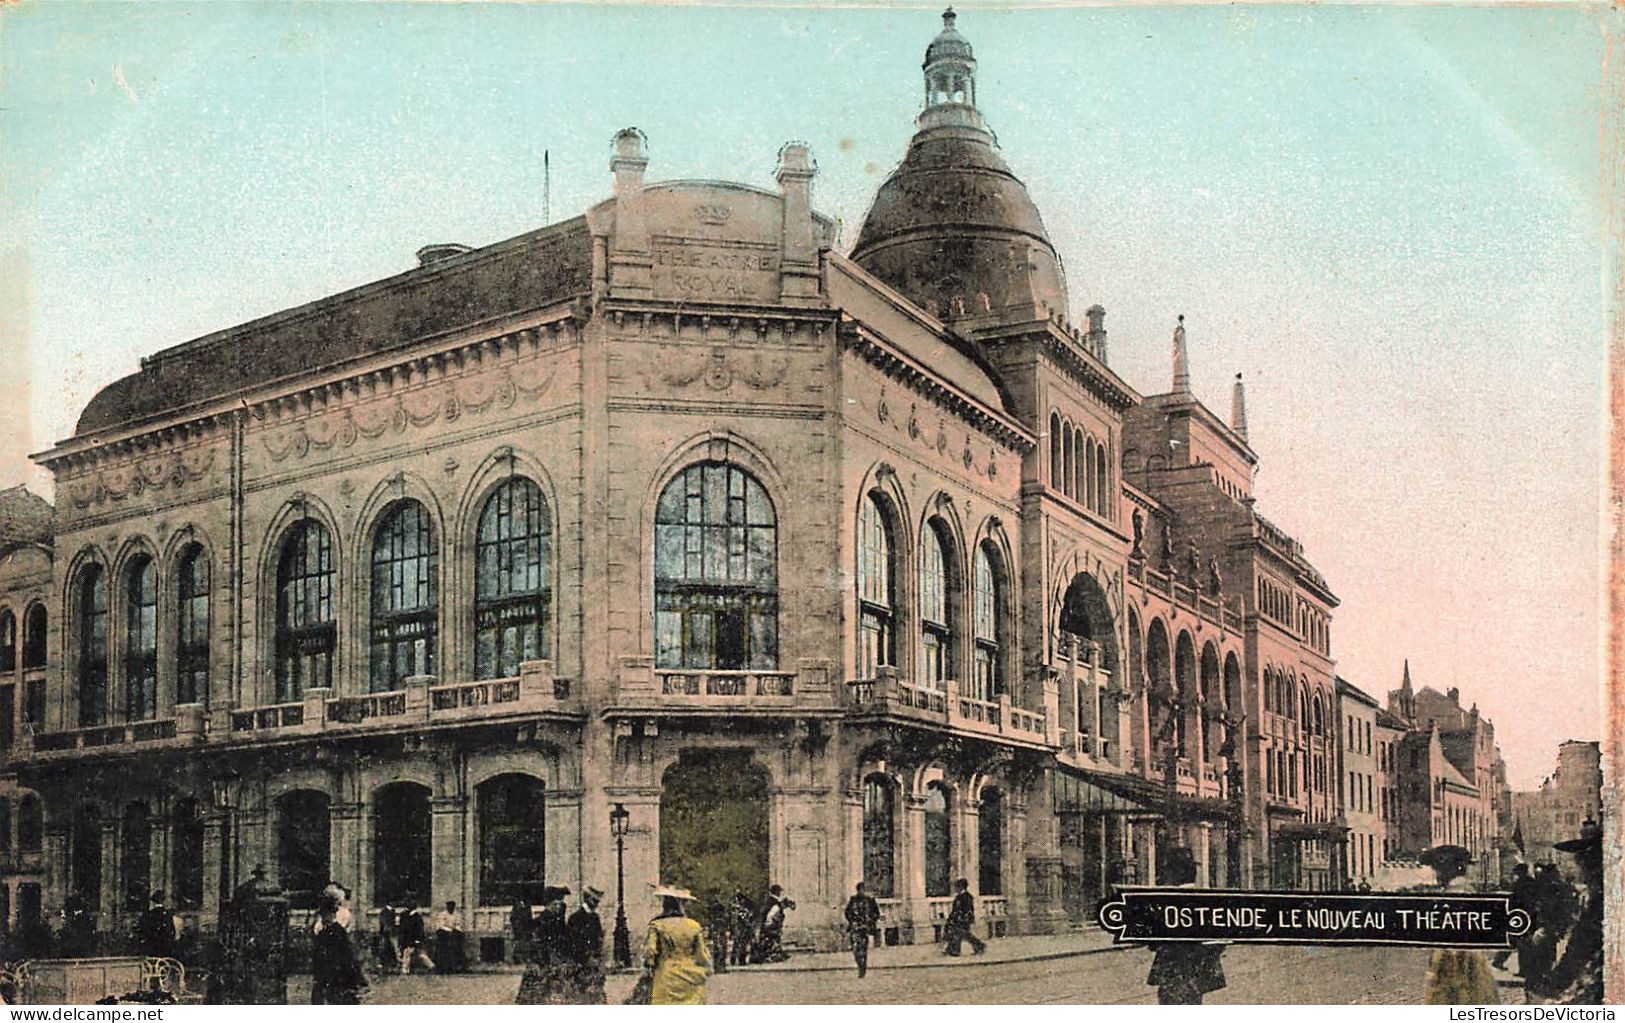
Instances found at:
x=952 y=228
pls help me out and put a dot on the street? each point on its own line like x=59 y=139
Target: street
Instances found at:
x=1116 y=976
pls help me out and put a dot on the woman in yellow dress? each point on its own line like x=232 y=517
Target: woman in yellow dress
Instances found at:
x=675 y=953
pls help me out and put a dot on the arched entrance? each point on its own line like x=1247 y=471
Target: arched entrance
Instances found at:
x=1086 y=615
x=714 y=825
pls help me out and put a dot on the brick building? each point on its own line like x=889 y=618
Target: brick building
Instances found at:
x=1360 y=781
x=1566 y=799
x=823 y=567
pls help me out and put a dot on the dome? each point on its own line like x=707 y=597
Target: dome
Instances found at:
x=952 y=228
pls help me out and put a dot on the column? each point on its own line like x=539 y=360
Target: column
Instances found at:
x=216 y=833
x=107 y=910
x=1204 y=837
x=916 y=913
x=345 y=824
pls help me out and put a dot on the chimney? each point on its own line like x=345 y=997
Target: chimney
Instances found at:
x=630 y=262
x=1182 y=360
x=1238 y=409
x=799 y=240
x=1097 y=331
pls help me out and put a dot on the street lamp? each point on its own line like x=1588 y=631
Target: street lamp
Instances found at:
x=618 y=817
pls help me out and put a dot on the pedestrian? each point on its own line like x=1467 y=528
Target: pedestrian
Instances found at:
x=961 y=925
x=548 y=972
x=718 y=927
x=1460 y=976
x=770 y=932
x=156 y=931
x=413 y=938
x=1181 y=971
x=1577 y=977
x=862 y=922
x=1522 y=896
x=389 y=956
x=341 y=895
x=520 y=925
x=674 y=952
x=335 y=973
x=744 y=927
x=586 y=951
x=448 y=940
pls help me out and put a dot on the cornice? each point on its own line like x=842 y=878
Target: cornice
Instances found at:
x=912 y=375
x=1064 y=351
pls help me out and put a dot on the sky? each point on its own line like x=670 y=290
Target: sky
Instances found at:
x=1390 y=219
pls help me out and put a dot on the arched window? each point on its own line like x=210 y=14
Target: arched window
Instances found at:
x=135 y=856
x=513 y=837
x=30 y=824
x=512 y=594
x=141 y=641
x=990 y=844
x=192 y=633
x=879 y=836
x=936 y=609
x=876 y=594
x=716 y=571
x=1303 y=705
x=1091 y=496
x=1069 y=470
x=8 y=641
x=401 y=845
x=987 y=621
x=302 y=845
x=1057 y=467
x=938 y=839
x=1103 y=480
x=404 y=561
x=1080 y=472
x=305 y=634
x=186 y=854
x=92 y=667
x=1320 y=723
x=34 y=637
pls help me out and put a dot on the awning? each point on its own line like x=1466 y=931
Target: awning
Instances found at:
x=1079 y=791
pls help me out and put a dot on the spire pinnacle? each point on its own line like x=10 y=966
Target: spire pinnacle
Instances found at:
x=1406 y=684
x=1182 y=360
x=1238 y=409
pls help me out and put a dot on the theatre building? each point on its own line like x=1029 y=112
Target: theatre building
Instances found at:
x=824 y=567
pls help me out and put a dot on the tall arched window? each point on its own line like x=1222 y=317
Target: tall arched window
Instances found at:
x=1057 y=468
x=513 y=837
x=938 y=839
x=305 y=635
x=880 y=836
x=1069 y=470
x=1090 y=494
x=1104 y=502
x=936 y=609
x=8 y=641
x=1080 y=472
x=186 y=854
x=404 y=562
x=302 y=845
x=716 y=571
x=987 y=626
x=512 y=596
x=34 y=637
x=990 y=844
x=876 y=596
x=401 y=845
x=192 y=633
x=141 y=641
x=92 y=667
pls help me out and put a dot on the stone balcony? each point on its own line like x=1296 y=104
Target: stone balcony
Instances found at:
x=640 y=687
x=886 y=695
x=423 y=701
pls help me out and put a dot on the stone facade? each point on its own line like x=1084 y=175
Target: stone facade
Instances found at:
x=1360 y=781
x=1555 y=812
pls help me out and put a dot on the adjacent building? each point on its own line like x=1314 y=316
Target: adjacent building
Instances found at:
x=1360 y=782
x=1555 y=812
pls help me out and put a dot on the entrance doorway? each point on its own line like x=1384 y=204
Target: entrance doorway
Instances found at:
x=714 y=826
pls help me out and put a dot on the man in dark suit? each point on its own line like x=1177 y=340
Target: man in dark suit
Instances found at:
x=862 y=921
x=962 y=921
x=585 y=940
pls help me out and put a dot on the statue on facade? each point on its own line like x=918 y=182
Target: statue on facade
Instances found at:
x=1139 y=534
x=1193 y=564
x=1167 y=548
x=1215 y=581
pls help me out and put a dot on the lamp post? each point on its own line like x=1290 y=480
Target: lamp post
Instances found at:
x=618 y=817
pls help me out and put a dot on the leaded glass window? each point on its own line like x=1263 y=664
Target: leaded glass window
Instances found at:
x=512 y=597
x=141 y=642
x=305 y=634
x=936 y=635
x=716 y=571
x=92 y=667
x=192 y=646
x=876 y=603
x=404 y=558
x=988 y=681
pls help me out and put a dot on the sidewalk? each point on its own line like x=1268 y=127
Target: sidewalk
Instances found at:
x=1024 y=949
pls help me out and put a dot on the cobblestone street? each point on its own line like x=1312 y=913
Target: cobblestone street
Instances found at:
x=1059 y=970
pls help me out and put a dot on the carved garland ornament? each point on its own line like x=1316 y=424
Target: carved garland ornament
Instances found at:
x=133 y=478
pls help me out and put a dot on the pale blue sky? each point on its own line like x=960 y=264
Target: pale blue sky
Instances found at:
x=1388 y=218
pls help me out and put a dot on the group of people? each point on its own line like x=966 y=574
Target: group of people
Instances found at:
x=405 y=941
x=1560 y=957
x=741 y=932
x=563 y=955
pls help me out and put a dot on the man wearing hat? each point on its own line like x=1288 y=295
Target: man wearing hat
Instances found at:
x=1577 y=977
x=155 y=934
x=585 y=940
